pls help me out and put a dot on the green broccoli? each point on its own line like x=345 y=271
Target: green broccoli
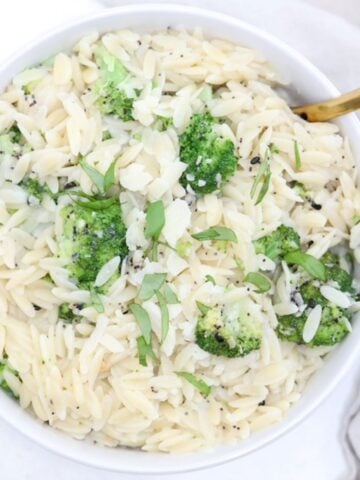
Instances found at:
x=278 y=243
x=163 y=123
x=335 y=273
x=334 y=320
x=114 y=97
x=94 y=233
x=5 y=367
x=210 y=159
x=228 y=332
x=333 y=325
x=12 y=142
x=106 y=136
x=35 y=189
x=332 y=329
x=66 y=313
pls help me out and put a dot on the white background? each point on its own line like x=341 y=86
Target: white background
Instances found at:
x=313 y=451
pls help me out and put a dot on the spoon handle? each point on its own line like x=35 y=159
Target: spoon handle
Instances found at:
x=329 y=109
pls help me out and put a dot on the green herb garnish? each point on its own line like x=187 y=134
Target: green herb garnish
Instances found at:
x=356 y=219
x=297 y=155
x=264 y=175
x=216 y=233
x=96 y=204
x=203 y=387
x=310 y=264
x=154 y=223
x=144 y=351
x=203 y=308
x=260 y=281
x=169 y=295
x=155 y=220
x=151 y=284
x=210 y=278
x=102 y=182
x=143 y=320
x=164 y=315
x=96 y=300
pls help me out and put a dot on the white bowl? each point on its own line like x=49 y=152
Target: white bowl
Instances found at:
x=311 y=84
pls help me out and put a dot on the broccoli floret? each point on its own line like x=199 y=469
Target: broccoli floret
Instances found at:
x=15 y=135
x=335 y=273
x=4 y=367
x=310 y=293
x=106 y=136
x=36 y=189
x=12 y=141
x=228 y=332
x=163 y=123
x=332 y=329
x=114 y=97
x=278 y=243
x=93 y=234
x=210 y=159
x=183 y=248
x=334 y=320
x=66 y=314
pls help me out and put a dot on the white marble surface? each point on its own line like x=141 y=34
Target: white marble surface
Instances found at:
x=312 y=451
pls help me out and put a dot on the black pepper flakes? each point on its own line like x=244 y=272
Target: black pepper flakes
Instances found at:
x=255 y=160
x=316 y=206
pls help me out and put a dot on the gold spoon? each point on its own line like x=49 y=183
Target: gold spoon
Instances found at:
x=329 y=109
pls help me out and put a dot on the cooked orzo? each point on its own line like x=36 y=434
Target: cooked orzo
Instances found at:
x=176 y=247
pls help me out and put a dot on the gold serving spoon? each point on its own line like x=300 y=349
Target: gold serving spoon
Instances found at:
x=329 y=109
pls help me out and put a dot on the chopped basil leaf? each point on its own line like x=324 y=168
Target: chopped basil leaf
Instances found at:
x=310 y=264
x=264 y=188
x=260 y=281
x=96 y=300
x=203 y=387
x=155 y=220
x=144 y=351
x=210 y=278
x=97 y=204
x=95 y=176
x=264 y=175
x=103 y=182
x=164 y=316
x=297 y=155
x=143 y=320
x=151 y=283
x=356 y=219
x=153 y=251
x=203 y=308
x=216 y=233
x=169 y=295
x=261 y=172
x=109 y=178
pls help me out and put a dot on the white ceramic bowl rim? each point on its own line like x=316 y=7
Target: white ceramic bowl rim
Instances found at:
x=135 y=461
